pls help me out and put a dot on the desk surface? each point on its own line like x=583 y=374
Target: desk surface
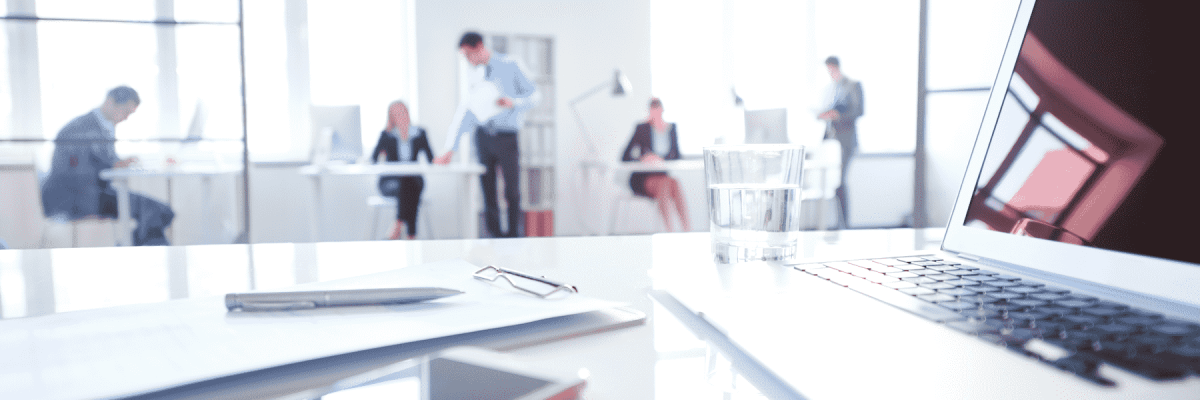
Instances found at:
x=659 y=359
x=397 y=168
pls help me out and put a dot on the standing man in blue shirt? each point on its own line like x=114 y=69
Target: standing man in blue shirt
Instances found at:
x=495 y=136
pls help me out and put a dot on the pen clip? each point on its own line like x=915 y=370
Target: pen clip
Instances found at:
x=505 y=273
x=277 y=305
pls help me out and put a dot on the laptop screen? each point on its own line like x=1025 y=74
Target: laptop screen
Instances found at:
x=1098 y=138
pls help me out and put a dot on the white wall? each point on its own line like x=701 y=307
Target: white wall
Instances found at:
x=591 y=39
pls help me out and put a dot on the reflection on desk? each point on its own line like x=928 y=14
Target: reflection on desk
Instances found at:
x=660 y=359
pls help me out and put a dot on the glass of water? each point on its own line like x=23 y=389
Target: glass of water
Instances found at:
x=754 y=200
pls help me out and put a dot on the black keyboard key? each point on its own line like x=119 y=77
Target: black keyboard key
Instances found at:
x=942 y=267
x=1043 y=295
x=973 y=327
x=1002 y=283
x=1175 y=329
x=1081 y=321
x=1006 y=295
x=1115 y=331
x=885 y=269
x=916 y=291
x=942 y=277
x=1073 y=303
x=1110 y=304
x=1082 y=297
x=957 y=291
x=1026 y=289
x=1103 y=312
x=1055 y=290
x=1057 y=311
x=982 y=288
x=1140 y=320
x=908 y=303
x=961 y=272
x=959 y=305
x=1026 y=318
x=1027 y=303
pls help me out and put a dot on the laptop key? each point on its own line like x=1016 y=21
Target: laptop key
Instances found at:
x=919 y=280
x=981 y=278
x=937 y=297
x=1046 y=296
x=1071 y=303
x=910 y=259
x=972 y=327
x=884 y=269
x=917 y=291
x=900 y=285
x=959 y=305
x=1023 y=289
x=1002 y=283
x=1006 y=295
x=942 y=277
x=962 y=282
x=957 y=291
x=807 y=267
x=1175 y=329
x=937 y=286
x=982 y=288
x=909 y=303
x=961 y=272
x=942 y=267
x=902 y=274
x=1007 y=277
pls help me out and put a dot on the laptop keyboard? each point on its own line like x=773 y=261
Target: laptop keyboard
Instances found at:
x=1070 y=331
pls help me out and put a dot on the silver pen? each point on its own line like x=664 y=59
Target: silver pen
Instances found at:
x=281 y=301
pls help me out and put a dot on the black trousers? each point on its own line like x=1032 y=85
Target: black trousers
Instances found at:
x=407 y=191
x=152 y=217
x=499 y=150
x=849 y=143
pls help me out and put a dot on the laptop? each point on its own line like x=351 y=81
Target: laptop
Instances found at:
x=1070 y=267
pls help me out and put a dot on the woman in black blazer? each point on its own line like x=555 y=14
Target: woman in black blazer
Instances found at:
x=653 y=142
x=401 y=142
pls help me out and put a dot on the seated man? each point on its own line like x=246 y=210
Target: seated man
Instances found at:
x=83 y=148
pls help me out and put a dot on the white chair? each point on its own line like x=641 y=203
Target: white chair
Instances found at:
x=822 y=176
x=91 y=231
x=380 y=204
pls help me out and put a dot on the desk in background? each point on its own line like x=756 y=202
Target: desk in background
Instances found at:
x=120 y=182
x=597 y=173
x=660 y=359
x=464 y=172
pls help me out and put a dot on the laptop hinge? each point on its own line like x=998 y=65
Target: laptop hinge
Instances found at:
x=968 y=256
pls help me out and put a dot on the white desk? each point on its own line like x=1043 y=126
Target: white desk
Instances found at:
x=120 y=181
x=464 y=172
x=660 y=359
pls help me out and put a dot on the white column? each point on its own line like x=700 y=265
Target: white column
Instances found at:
x=24 y=76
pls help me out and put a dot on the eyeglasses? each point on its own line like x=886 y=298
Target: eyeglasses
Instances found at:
x=491 y=273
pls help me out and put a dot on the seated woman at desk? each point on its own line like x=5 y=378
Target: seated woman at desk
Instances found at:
x=402 y=142
x=654 y=141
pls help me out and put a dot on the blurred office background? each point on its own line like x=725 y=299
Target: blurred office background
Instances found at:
x=248 y=87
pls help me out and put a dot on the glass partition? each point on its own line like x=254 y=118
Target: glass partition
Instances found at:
x=158 y=161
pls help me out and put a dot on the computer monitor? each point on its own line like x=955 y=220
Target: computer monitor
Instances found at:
x=766 y=126
x=337 y=133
